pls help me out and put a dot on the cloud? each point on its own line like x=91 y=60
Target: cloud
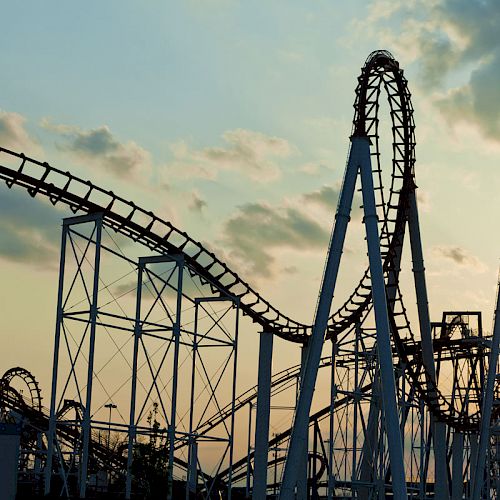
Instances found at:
x=100 y=147
x=459 y=256
x=452 y=40
x=291 y=270
x=197 y=203
x=313 y=169
x=327 y=198
x=13 y=134
x=30 y=230
x=250 y=153
x=477 y=101
x=258 y=229
x=424 y=201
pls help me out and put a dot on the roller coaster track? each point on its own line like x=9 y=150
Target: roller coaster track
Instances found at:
x=280 y=438
x=28 y=379
x=250 y=396
x=38 y=417
x=381 y=71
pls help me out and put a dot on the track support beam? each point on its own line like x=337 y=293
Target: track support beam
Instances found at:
x=359 y=160
x=263 y=412
x=298 y=440
x=388 y=385
x=484 y=433
x=438 y=428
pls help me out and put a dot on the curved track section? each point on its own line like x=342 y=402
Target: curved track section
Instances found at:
x=127 y=218
x=29 y=380
x=380 y=72
x=140 y=225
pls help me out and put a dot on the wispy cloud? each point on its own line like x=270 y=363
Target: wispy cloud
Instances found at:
x=30 y=230
x=450 y=37
x=101 y=148
x=253 y=234
x=13 y=134
x=327 y=198
x=197 y=203
x=459 y=256
x=252 y=154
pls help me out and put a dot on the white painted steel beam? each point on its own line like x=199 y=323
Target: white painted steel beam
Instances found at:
x=303 y=462
x=438 y=428
x=457 y=466
x=388 y=386
x=298 y=440
x=484 y=432
x=262 y=419
x=51 y=435
x=87 y=414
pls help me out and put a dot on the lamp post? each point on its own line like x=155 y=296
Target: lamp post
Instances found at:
x=111 y=407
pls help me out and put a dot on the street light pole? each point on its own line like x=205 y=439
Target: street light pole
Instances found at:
x=111 y=407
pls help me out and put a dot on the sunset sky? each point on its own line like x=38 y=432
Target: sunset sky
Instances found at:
x=231 y=119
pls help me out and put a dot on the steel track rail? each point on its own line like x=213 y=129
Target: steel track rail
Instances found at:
x=140 y=225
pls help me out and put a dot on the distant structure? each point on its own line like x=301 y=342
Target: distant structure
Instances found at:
x=145 y=402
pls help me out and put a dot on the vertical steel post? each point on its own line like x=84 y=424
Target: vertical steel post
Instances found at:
x=473 y=449
x=484 y=432
x=191 y=437
x=233 y=399
x=314 y=471
x=303 y=462
x=457 y=470
x=262 y=419
x=368 y=472
x=179 y=262
x=331 y=422
x=249 y=450
x=55 y=365
x=357 y=395
x=132 y=429
x=299 y=435
x=423 y=451
x=388 y=385
x=193 y=468
x=87 y=416
x=438 y=428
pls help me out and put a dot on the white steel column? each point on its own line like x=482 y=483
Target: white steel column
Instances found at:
x=368 y=472
x=132 y=426
x=248 y=484
x=457 y=473
x=87 y=415
x=52 y=419
x=473 y=448
x=388 y=386
x=303 y=460
x=438 y=428
x=331 y=423
x=262 y=419
x=484 y=432
x=299 y=435
x=179 y=263
x=193 y=468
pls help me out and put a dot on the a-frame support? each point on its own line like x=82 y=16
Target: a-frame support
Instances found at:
x=359 y=161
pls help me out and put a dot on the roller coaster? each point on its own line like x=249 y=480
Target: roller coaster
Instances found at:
x=408 y=413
